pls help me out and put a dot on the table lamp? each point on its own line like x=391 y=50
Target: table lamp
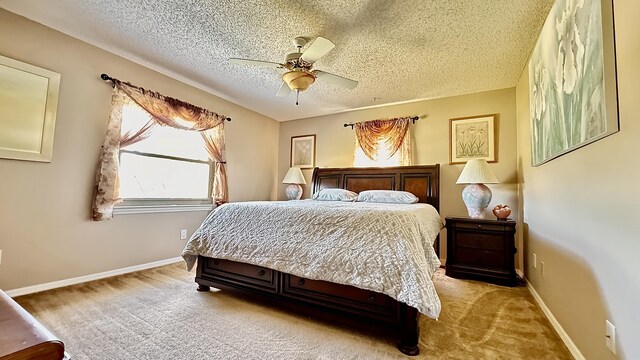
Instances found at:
x=294 y=178
x=476 y=195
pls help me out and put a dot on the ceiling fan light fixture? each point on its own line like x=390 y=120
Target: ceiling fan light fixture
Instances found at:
x=298 y=80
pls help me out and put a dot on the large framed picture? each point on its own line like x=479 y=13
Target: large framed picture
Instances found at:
x=472 y=137
x=28 y=105
x=303 y=151
x=572 y=75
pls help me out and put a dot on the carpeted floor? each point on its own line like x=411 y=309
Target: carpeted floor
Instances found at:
x=157 y=314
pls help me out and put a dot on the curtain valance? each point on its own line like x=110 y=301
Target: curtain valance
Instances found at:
x=169 y=111
x=392 y=132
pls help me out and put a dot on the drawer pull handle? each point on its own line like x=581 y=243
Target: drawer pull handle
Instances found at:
x=261 y=273
x=372 y=298
x=216 y=262
x=301 y=282
x=479 y=226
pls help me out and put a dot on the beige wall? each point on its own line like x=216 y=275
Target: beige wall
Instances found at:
x=335 y=143
x=45 y=232
x=581 y=216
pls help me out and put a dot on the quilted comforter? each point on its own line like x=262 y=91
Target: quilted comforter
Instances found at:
x=387 y=248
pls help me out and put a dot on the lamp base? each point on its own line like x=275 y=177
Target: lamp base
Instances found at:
x=476 y=197
x=294 y=192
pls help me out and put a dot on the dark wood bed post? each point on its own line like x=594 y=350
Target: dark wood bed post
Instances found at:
x=410 y=331
x=203 y=288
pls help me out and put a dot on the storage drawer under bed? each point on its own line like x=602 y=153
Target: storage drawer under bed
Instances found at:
x=334 y=295
x=226 y=271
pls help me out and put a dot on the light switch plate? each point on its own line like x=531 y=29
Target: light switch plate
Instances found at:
x=183 y=234
x=610 y=333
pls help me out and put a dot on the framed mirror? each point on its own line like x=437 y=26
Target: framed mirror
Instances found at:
x=28 y=105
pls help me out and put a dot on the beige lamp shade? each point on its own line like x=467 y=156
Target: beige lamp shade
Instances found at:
x=294 y=176
x=477 y=171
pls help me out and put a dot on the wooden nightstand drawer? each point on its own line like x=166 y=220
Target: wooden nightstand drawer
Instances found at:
x=478 y=240
x=481 y=250
x=480 y=258
x=479 y=226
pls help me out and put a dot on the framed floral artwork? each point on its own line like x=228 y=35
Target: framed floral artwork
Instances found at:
x=303 y=151
x=472 y=137
x=572 y=79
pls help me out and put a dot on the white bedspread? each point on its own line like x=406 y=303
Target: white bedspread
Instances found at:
x=387 y=248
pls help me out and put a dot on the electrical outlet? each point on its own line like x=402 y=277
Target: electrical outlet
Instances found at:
x=610 y=333
x=183 y=234
x=542 y=268
x=535 y=261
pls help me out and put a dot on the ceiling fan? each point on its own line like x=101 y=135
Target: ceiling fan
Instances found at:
x=300 y=64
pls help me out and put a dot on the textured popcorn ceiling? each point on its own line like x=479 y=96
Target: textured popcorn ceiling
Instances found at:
x=398 y=50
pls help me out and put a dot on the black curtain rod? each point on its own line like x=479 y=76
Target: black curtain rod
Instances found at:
x=106 y=77
x=413 y=121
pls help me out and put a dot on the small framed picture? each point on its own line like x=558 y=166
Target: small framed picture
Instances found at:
x=303 y=151
x=472 y=137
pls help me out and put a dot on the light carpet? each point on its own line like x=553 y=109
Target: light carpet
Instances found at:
x=157 y=314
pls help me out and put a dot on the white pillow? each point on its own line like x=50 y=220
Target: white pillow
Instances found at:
x=335 y=195
x=387 y=196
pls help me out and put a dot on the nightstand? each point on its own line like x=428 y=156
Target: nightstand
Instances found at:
x=481 y=249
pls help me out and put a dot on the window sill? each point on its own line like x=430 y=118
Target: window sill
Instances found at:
x=155 y=209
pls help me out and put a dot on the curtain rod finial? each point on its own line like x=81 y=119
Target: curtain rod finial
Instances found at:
x=105 y=77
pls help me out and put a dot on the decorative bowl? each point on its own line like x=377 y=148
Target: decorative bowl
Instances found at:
x=502 y=212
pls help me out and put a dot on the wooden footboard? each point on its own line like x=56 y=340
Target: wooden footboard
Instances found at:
x=347 y=304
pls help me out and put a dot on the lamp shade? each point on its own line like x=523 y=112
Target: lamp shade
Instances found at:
x=294 y=176
x=476 y=171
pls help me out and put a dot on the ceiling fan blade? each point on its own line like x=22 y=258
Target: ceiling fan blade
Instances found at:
x=255 y=62
x=336 y=80
x=318 y=48
x=284 y=90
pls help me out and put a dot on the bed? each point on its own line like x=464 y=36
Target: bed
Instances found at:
x=377 y=291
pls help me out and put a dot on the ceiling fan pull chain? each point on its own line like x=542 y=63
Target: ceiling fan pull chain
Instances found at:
x=297 y=94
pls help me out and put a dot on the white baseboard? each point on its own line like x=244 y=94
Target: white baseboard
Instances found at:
x=91 y=277
x=573 y=349
x=520 y=273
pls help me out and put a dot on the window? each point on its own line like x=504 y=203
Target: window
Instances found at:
x=171 y=166
x=382 y=158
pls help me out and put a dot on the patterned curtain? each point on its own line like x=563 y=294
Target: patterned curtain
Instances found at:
x=164 y=111
x=212 y=140
x=385 y=138
x=169 y=111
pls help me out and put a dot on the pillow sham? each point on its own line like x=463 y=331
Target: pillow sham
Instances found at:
x=335 y=195
x=387 y=196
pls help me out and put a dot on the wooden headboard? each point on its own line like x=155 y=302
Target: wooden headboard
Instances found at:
x=423 y=180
